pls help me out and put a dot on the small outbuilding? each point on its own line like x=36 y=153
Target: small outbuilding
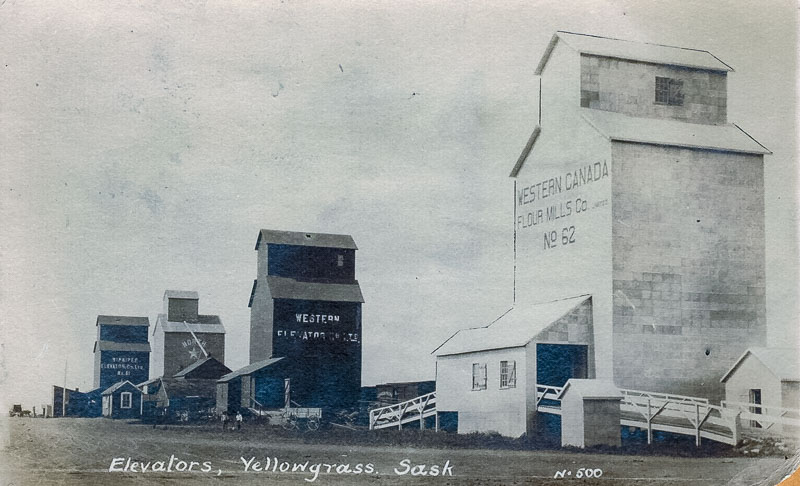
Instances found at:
x=259 y=385
x=190 y=394
x=122 y=400
x=266 y=384
x=590 y=413
x=181 y=399
x=74 y=403
x=487 y=377
x=768 y=381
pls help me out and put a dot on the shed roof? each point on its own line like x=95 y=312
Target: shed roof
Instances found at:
x=289 y=288
x=115 y=346
x=659 y=131
x=148 y=382
x=406 y=383
x=633 y=51
x=122 y=321
x=596 y=389
x=204 y=324
x=249 y=369
x=784 y=363
x=299 y=238
x=517 y=327
x=176 y=388
x=181 y=294
x=116 y=386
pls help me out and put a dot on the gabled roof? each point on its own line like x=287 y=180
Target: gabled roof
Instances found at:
x=249 y=369
x=289 y=288
x=516 y=328
x=252 y=293
x=525 y=151
x=633 y=51
x=181 y=294
x=204 y=324
x=660 y=131
x=122 y=321
x=784 y=363
x=114 y=346
x=117 y=386
x=298 y=238
x=209 y=366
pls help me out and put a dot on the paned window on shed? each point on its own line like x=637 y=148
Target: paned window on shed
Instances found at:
x=669 y=91
x=340 y=260
x=508 y=374
x=126 y=399
x=478 y=376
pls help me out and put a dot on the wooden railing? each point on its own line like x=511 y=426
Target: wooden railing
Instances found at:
x=662 y=396
x=763 y=417
x=650 y=411
x=547 y=400
x=256 y=407
x=416 y=409
x=660 y=411
x=678 y=414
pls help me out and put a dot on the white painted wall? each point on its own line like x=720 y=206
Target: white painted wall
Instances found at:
x=750 y=374
x=489 y=410
x=572 y=414
x=565 y=145
x=790 y=392
x=561 y=89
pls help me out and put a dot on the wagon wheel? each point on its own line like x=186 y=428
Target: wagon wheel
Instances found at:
x=312 y=423
x=289 y=422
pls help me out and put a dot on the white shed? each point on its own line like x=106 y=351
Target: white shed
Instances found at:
x=489 y=375
x=766 y=377
x=590 y=413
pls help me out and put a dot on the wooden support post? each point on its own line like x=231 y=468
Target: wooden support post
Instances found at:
x=437 y=422
x=422 y=406
x=736 y=427
x=697 y=424
x=649 y=424
x=400 y=417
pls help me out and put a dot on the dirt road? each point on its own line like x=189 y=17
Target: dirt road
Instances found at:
x=101 y=451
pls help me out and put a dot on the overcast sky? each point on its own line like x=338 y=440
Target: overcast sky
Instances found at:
x=143 y=146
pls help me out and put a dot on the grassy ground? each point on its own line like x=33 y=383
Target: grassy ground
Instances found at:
x=80 y=451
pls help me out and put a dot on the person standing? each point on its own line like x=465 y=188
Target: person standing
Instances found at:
x=239 y=420
x=224 y=419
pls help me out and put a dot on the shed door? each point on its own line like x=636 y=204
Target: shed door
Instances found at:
x=755 y=399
